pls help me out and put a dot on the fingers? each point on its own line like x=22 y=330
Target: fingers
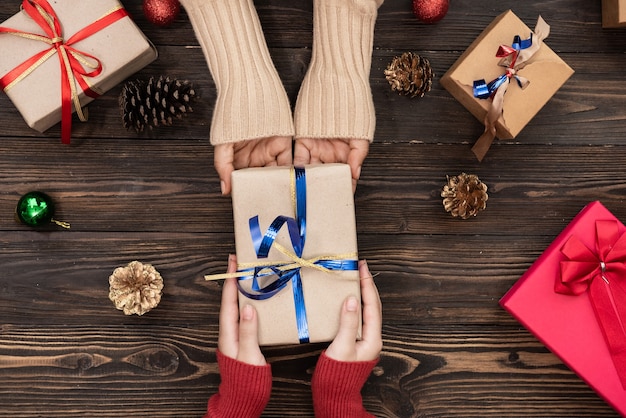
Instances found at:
x=223 y=158
x=229 y=314
x=249 y=351
x=270 y=151
x=336 y=150
x=263 y=152
x=301 y=153
x=281 y=150
x=371 y=342
x=343 y=347
x=238 y=337
x=359 y=148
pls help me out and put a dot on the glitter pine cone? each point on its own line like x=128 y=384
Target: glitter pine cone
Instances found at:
x=464 y=195
x=135 y=288
x=410 y=75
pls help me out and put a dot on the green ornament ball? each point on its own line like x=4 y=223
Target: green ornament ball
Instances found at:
x=37 y=209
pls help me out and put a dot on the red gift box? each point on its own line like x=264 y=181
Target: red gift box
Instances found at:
x=578 y=321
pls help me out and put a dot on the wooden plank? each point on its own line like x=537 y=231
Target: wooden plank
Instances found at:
x=428 y=279
x=165 y=185
x=588 y=109
x=451 y=371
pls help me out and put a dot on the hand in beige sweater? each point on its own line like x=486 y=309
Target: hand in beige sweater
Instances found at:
x=252 y=125
x=334 y=115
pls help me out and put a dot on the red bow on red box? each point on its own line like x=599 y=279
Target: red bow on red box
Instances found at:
x=603 y=274
x=73 y=62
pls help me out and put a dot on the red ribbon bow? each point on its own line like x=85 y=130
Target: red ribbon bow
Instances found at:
x=505 y=51
x=73 y=62
x=603 y=274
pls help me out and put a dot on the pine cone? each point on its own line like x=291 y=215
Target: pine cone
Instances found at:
x=464 y=195
x=136 y=288
x=410 y=74
x=155 y=102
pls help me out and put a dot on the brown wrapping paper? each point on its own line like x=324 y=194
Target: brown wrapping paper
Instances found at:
x=330 y=230
x=545 y=71
x=121 y=47
x=613 y=13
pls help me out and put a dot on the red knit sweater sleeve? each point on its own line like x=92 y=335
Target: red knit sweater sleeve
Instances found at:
x=336 y=387
x=244 y=391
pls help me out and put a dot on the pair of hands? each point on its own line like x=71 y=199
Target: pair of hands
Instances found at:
x=276 y=150
x=238 y=336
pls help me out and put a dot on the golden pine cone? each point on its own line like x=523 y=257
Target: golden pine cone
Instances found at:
x=464 y=195
x=135 y=288
x=410 y=74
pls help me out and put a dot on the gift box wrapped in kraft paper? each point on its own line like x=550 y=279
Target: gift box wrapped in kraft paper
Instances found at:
x=296 y=244
x=58 y=55
x=613 y=13
x=508 y=58
x=573 y=299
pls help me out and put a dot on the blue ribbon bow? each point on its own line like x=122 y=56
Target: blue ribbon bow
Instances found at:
x=484 y=90
x=289 y=271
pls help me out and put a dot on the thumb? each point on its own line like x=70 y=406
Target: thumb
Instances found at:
x=249 y=351
x=343 y=347
x=359 y=149
x=358 y=152
x=223 y=158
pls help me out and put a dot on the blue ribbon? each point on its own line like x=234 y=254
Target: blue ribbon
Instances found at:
x=519 y=43
x=484 y=90
x=297 y=233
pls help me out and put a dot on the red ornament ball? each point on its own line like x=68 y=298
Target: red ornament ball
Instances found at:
x=430 y=11
x=161 y=12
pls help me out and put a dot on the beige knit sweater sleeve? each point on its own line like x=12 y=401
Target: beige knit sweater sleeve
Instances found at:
x=251 y=99
x=335 y=99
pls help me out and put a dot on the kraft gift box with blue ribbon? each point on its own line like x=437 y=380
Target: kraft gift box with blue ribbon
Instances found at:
x=296 y=244
x=507 y=50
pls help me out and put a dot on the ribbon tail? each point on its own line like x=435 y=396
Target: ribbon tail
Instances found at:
x=301 y=318
x=606 y=298
x=619 y=357
x=66 y=105
x=542 y=29
x=541 y=32
x=483 y=143
x=619 y=360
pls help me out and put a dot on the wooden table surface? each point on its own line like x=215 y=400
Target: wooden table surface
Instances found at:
x=449 y=349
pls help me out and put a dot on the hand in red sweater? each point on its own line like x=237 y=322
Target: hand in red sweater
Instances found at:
x=344 y=367
x=244 y=391
x=246 y=377
x=238 y=336
x=345 y=346
x=339 y=375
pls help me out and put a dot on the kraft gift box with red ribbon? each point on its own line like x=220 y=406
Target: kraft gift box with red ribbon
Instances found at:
x=613 y=13
x=508 y=58
x=57 y=56
x=296 y=245
x=573 y=299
